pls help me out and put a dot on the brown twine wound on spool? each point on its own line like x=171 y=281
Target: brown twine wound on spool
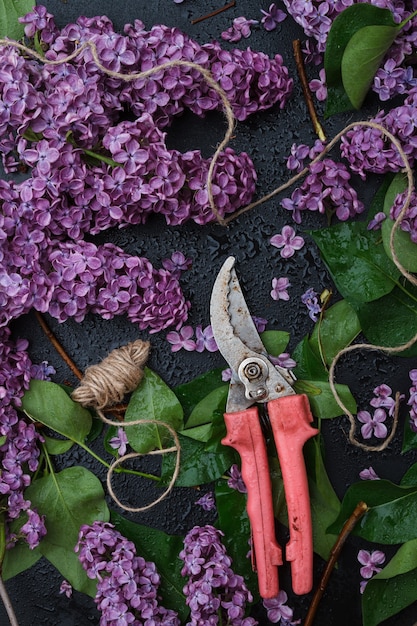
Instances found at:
x=106 y=384
x=228 y=111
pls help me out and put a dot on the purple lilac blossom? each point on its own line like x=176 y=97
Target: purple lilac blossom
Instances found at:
x=45 y=218
x=370 y=562
x=279 y=288
x=310 y=299
x=287 y=241
x=412 y=401
x=119 y=442
x=376 y=221
x=409 y=221
x=373 y=425
x=205 y=339
x=127 y=585
x=241 y=27
x=368 y=474
x=277 y=610
x=207 y=502
x=19 y=452
x=213 y=590
x=66 y=588
x=383 y=398
x=182 y=339
x=272 y=17
x=318 y=86
x=236 y=481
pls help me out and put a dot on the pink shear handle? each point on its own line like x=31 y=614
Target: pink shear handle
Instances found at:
x=290 y=418
x=244 y=433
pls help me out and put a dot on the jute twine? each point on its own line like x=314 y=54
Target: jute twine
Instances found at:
x=230 y=119
x=106 y=384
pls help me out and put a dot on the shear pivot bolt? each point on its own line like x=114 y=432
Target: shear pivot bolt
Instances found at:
x=258 y=394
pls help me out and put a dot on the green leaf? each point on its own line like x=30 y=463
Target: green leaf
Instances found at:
x=386 y=597
x=49 y=404
x=409 y=438
x=19 y=558
x=191 y=393
x=57 y=446
x=152 y=400
x=325 y=505
x=343 y=28
x=234 y=523
x=198 y=465
x=322 y=401
x=391 y=320
x=203 y=411
x=10 y=11
x=337 y=329
x=362 y=57
x=356 y=259
x=163 y=549
x=275 y=341
x=309 y=364
x=405 y=249
x=68 y=499
x=410 y=477
x=391 y=515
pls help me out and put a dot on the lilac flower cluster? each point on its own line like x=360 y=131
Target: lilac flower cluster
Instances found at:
x=368 y=150
x=383 y=403
x=127 y=585
x=19 y=451
x=325 y=189
x=412 y=401
x=213 y=592
x=92 y=167
x=184 y=339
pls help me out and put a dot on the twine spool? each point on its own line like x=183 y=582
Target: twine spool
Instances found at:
x=106 y=384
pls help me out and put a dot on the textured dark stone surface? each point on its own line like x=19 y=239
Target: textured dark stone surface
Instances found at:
x=267 y=137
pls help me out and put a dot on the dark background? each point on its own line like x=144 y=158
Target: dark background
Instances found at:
x=267 y=137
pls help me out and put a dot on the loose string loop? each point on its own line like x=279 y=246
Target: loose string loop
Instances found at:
x=106 y=384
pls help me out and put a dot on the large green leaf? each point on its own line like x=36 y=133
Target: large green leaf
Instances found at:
x=10 y=11
x=337 y=329
x=275 y=341
x=49 y=404
x=321 y=398
x=391 y=515
x=325 y=505
x=391 y=320
x=357 y=261
x=309 y=363
x=234 y=523
x=68 y=499
x=384 y=597
x=163 y=549
x=198 y=465
x=19 y=558
x=362 y=57
x=344 y=27
x=405 y=249
x=190 y=394
x=152 y=400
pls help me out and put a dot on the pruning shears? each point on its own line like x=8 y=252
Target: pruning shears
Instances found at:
x=255 y=379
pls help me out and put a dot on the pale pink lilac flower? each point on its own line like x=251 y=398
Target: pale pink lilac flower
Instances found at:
x=120 y=441
x=182 y=339
x=241 y=27
x=368 y=474
x=205 y=339
x=287 y=241
x=66 y=588
x=279 y=288
x=318 y=86
x=370 y=562
x=383 y=398
x=373 y=425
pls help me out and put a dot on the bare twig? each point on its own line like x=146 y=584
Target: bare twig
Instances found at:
x=213 y=13
x=360 y=510
x=7 y=604
x=57 y=345
x=306 y=89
